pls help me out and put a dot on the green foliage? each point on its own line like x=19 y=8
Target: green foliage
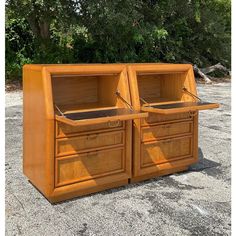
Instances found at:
x=19 y=47
x=83 y=31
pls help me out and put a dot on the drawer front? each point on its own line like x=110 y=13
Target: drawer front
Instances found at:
x=68 y=146
x=63 y=129
x=164 y=151
x=166 y=130
x=88 y=166
x=156 y=118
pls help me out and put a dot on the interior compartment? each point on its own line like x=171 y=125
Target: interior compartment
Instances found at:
x=92 y=99
x=169 y=93
x=85 y=92
x=156 y=88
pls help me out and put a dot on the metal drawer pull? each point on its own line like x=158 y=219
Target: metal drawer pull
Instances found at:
x=94 y=136
x=166 y=126
x=114 y=123
x=167 y=141
x=192 y=114
x=92 y=154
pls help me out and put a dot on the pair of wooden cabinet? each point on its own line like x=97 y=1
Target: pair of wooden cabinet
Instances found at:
x=96 y=126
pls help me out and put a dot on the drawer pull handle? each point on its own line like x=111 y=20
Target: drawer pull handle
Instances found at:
x=92 y=154
x=114 y=123
x=89 y=137
x=166 y=126
x=192 y=114
x=167 y=141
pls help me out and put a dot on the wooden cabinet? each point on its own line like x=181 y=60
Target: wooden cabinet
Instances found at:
x=77 y=128
x=90 y=165
x=169 y=130
x=89 y=142
x=65 y=130
x=92 y=127
x=157 y=152
x=167 y=140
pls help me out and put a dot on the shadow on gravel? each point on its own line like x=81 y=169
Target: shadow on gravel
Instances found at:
x=207 y=166
x=203 y=163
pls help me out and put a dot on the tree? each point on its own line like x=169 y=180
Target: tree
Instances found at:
x=72 y=31
x=196 y=31
x=41 y=14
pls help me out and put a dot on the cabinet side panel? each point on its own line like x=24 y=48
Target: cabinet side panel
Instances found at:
x=128 y=148
x=38 y=130
x=195 y=137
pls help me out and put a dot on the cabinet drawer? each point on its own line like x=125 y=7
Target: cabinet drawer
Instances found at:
x=156 y=118
x=68 y=146
x=165 y=130
x=164 y=151
x=63 y=129
x=88 y=166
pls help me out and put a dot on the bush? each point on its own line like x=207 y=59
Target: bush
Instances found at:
x=19 y=47
x=178 y=31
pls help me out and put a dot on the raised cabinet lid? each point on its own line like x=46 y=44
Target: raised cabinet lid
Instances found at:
x=100 y=116
x=178 y=107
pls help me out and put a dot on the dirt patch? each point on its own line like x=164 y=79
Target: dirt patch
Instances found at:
x=13 y=86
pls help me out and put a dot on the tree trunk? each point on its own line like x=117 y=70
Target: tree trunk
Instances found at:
x=44 y=30
x=213 y=68
x=41 y=30
x=202 y=72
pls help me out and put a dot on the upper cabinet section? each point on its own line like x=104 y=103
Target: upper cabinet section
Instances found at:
x=86 y=92
x=89 y=94
x=97 y=93
x=165 y=88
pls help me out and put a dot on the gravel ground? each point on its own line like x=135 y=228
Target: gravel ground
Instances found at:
x=195 y=202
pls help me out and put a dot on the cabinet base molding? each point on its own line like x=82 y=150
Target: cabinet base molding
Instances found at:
x=158 y=174
x=66 y=195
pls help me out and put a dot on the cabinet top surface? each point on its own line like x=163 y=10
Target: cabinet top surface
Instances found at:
x=98 y=64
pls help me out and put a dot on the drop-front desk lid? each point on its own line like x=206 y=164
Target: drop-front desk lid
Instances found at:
x=177 y=107
x=100 y=116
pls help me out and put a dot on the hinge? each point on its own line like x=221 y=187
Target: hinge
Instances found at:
x=191 y=94
x=59 y=110
x=118 y=95
x=144 y=101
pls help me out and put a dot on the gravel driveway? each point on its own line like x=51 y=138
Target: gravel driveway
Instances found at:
x=195 y=202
